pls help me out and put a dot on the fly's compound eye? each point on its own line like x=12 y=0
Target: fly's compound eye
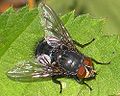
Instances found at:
x=87 y=61
x=85 y=72
x=81 y=73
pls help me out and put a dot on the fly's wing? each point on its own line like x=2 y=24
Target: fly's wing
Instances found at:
x=55 y=32
x=30 y=71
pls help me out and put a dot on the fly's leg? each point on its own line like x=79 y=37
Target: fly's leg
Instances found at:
x=54 y=79
x=83 y=45
x=97 y=62
x=81 y=81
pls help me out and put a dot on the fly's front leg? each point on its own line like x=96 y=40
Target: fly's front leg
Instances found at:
x=103 y=63
x=81 y=81
x=54 y=79
x=83 y=45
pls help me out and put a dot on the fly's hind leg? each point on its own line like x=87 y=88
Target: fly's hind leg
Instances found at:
x=54 y=79
x=83 y=45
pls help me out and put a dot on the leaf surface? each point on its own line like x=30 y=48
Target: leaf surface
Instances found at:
x=21 y=31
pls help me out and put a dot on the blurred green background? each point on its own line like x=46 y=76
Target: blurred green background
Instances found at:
x=109 y=9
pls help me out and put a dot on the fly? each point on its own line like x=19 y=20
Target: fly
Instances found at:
x=56 y=55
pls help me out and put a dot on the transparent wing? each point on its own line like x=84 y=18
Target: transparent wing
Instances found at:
x=55 y=32
x=30 y=71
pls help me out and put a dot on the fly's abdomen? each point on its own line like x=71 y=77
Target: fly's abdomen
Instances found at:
x=43 y=48
x=43 y=53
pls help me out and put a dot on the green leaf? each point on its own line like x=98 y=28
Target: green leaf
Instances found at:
x=19 y=33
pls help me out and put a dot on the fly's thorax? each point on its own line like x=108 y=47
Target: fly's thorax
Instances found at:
x=70 y=61
x=86 y=69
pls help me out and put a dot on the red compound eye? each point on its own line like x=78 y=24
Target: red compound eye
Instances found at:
x=81 y=73
x=87 y=61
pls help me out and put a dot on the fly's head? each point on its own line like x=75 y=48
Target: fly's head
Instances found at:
x=86 y=69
